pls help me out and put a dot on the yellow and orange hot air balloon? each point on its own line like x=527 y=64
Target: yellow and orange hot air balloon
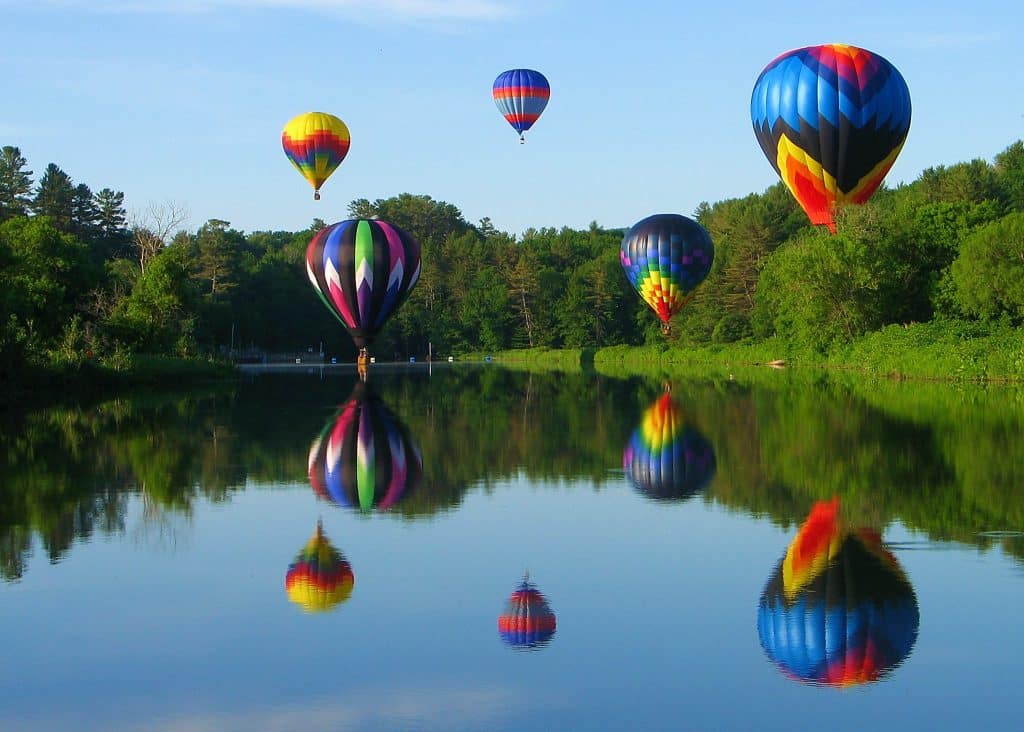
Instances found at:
x=320 y=578
x=316 y=143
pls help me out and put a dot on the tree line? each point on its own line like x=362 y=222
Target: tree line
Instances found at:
x=81 y=281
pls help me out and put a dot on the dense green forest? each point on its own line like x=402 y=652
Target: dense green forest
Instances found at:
x=83 y=285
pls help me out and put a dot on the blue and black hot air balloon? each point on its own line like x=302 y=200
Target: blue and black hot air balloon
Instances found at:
x=831 y=120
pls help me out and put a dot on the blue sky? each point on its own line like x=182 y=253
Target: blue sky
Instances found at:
x=184 y=100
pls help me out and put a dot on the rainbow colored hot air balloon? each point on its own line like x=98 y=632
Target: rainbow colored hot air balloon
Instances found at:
x=320 y=578
x=521 y=95
x=365 y=457
x=665 y=257
x=316 y=143
x=667 y=459
x=527 y=622
x=363 y=270
x=831 y=120
x=838 y=609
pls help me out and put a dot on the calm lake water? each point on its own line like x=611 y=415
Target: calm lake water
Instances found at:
x=300 y=551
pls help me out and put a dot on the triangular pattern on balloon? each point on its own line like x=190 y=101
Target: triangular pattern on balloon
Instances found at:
x=831 y=120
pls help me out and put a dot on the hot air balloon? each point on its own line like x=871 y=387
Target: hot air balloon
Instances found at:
x=667 y=459
x=831 y=119
x=665 y=257
x=364 y=458
x=316 y=143
x=838 y=609
x=521 y=95
x=363 y=270
x=320 y=578
x=527 y=622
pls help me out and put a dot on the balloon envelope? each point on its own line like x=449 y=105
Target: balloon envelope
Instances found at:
x=364 y=458
x=363 y=270
x=316 y=143
x=838 y=609
x=665 y=257
x=320 y=578
x=831 y=120
x=527 y=621
x=667 y=459
x=521 y=95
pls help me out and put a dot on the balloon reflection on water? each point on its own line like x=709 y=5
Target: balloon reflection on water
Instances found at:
x=527 y=621
x=364 y=458
x=320 y=578
x=667 y=459
x=838 y=610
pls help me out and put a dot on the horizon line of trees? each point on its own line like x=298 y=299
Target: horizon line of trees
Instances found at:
x=79 y=280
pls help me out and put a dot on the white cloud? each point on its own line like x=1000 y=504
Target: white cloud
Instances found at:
x=395 y=10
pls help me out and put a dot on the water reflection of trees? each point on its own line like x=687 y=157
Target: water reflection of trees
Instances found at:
x=942 y=460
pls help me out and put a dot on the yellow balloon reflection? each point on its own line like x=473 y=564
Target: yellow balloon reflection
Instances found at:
x=320 y=578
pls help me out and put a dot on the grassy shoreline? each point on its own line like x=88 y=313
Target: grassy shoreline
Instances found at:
x=91 y=379
x=929 y=351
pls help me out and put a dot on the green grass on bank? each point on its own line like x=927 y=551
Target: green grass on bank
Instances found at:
x=57 y=379
x=951 y=351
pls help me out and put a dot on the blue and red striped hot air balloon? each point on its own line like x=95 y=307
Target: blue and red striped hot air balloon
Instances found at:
x=527 y=622
x=363 y=270
x=364 y=458
x=521 y=95
x=831 y=120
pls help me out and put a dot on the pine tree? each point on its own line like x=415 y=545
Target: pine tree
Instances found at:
x=15 y=183
x=112 y=218
x=55 y=196
x=85 y=214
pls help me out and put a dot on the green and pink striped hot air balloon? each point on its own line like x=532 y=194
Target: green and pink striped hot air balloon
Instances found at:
x=363 y=270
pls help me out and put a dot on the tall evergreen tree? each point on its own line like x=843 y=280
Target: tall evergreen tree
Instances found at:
x=55 y=197
x=85 y=213
x=111 y=223
x=15 y=183
x=112 y=217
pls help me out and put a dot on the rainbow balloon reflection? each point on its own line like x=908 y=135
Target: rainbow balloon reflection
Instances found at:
x=667 y=459
x=838 y=610
x=364 y=458
x=528 y=621
x=320 y=578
